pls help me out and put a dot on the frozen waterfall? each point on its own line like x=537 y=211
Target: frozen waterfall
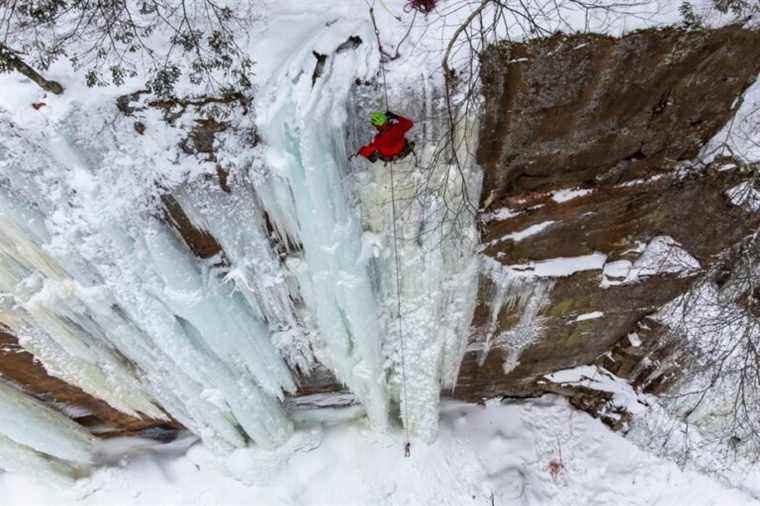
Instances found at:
x=104 y=289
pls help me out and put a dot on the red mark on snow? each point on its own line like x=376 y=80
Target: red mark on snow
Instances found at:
x=555 y=468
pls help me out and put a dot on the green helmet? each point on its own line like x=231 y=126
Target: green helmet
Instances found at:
x=378 y=118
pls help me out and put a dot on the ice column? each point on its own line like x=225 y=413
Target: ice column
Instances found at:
x=302 y=121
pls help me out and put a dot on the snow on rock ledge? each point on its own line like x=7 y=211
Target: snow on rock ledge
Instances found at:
x=662 y=255
x=745 y=195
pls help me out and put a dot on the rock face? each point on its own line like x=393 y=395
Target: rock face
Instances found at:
x=569 y=110
x=580 y=146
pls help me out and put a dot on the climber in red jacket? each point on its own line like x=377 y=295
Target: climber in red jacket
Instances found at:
x=390 y=141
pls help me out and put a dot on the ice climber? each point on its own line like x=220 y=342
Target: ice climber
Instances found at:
x=390 y=142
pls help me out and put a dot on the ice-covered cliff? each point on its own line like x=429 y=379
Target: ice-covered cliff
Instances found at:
x=216 y=261
x=195 y=262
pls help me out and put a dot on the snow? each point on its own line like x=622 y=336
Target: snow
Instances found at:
x=638 y=182
x=662 y=255
x=559 y=267
x=526 y=232
x=745 y=195
x=564 y=195
x=696 y=425
x=589 y=316
x=740 y=137
x=501 y=214
x=538 y=451
x=597 y=378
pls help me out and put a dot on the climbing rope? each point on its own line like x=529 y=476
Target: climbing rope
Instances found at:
x=404 y=396
x=390 y=11
x=385 y=85
x=407 y=442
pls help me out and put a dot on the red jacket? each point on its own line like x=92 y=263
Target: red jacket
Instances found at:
x=389 y=141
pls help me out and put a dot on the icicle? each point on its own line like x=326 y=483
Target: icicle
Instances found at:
x=51 y=321
x=194 y=347
x=255 y=269
x=521 y=295
x=29 y=422
x=303 y=125
x=16 y=458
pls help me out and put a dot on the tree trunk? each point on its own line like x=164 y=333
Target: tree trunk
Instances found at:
x=10 y=60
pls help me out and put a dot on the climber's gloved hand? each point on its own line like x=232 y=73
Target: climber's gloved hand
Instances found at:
x=391 y=115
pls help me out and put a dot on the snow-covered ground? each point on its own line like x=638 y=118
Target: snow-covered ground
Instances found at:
x=536 y=452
